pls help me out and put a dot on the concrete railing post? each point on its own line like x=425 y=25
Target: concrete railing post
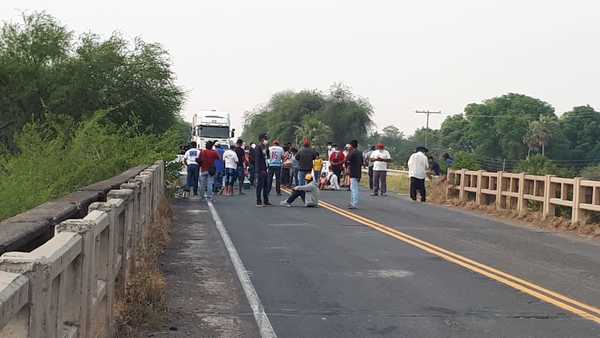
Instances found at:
x=461 y=192
x=88 y=228
x=521 y=202
x=549 y=192
x=499 y=191
x=577 y=214
x=36 y=269
x=127 y=237
x=478 y=192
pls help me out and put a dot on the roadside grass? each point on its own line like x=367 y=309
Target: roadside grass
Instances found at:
x=144 y=305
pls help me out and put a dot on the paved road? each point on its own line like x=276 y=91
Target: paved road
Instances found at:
x=322 y=274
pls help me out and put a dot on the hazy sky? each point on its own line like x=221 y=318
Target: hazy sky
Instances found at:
x=401 y=55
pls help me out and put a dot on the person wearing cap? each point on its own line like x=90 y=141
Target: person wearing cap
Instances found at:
x=336 y=161
x=309 y=193
x=417 y=170
x=261 y=154
x=305 y=157
x=380 y=159
x=275 y=163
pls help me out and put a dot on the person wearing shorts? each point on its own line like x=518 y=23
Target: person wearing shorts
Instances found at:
x=231 y=163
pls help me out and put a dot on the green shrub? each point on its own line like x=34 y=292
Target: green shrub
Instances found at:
x=591 y=173
x=465 y=160
x=541 y=165
x=58 y=158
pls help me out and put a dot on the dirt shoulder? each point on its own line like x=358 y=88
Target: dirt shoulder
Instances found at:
x=204 y=297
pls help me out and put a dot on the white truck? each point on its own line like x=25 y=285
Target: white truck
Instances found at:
x=211 y=125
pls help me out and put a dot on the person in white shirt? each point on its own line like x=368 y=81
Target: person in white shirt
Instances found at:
x=417 y=170
x=231 y=164
x=193 y=169
x=379 y=159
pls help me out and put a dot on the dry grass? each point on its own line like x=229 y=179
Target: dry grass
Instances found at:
x=531 y=217
x=396 y=183
x=144 y=305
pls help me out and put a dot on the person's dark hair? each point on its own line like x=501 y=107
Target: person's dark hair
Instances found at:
x=294 y=150
x=263 y=136
x=372 y=148
x=239 y=142
x=446 y=156
x=317 y=153
x=209 y=145
x=193 y=144
x=354 y=144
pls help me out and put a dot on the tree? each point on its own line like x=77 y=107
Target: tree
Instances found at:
x=347 y=116
x=45 y=72
x=539 y=134
x=314 y=130
x=498 y=125
x=580 y=128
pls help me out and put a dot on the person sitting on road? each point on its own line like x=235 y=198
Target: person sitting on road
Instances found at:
x=308 y=192
x=334 y=182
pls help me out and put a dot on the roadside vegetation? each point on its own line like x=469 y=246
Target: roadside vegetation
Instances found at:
x=74 y=111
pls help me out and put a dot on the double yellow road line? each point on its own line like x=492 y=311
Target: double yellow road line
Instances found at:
x=574 y=306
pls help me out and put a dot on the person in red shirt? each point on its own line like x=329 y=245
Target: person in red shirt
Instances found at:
x=336 y=160
x=208 y=157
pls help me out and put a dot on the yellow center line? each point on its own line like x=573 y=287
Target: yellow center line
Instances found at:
x=581 y=309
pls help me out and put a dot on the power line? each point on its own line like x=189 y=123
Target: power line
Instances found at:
x=427 y=112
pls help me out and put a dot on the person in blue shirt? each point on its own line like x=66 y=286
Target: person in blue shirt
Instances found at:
x=220 y=168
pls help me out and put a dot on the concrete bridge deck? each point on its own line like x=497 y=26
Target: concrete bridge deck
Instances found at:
x=392 y=268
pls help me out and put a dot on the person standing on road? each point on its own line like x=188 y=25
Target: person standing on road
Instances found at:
x=220 y=167
x=317 y=168
x=231 y=164
x=336 y=162
x=261 y=154
x=208 y=170
x=305 y=157
x=308 y=192
x=369 y=164
x=251 y=166
x=354 y=164
x=295 y=167
x=286 y=169
x=275 y=163
x=417 y=170
x=380 y=159
x=240 y=171
x=190 y=158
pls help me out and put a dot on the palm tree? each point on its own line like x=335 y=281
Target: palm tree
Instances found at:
x=539 y=134
x=314 y=130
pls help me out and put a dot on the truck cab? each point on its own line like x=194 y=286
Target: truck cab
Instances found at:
x=212 y=126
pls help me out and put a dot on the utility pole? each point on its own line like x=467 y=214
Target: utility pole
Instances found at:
x=427 y=112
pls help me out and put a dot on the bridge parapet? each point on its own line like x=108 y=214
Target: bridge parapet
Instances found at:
x=66 y=287
x=516 y=191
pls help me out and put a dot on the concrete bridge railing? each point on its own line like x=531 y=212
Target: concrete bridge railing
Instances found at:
x=516 y=191
x=66 y=286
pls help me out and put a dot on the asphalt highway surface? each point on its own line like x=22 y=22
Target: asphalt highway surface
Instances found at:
x=396 y=268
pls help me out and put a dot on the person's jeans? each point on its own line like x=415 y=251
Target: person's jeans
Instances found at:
x=417 y=184
x=354 y=191
x=252 y=173
x=262 y=189
x=193 y=170
x=241 y=177
x=295 y=177
x=285 y=176
x=380 y=181
x=277 y=172
x=301 y=177
x=295 y=194
x=317 y=177
x=207 y=184
x=230 y=174
x=218 y=181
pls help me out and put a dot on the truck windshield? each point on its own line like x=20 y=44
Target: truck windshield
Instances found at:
x=214 y=132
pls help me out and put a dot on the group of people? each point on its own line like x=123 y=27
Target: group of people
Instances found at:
x=216 y=169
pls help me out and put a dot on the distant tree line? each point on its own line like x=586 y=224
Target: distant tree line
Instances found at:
x=512 y=132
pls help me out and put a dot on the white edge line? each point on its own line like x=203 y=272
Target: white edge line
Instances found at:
x=262 y=320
